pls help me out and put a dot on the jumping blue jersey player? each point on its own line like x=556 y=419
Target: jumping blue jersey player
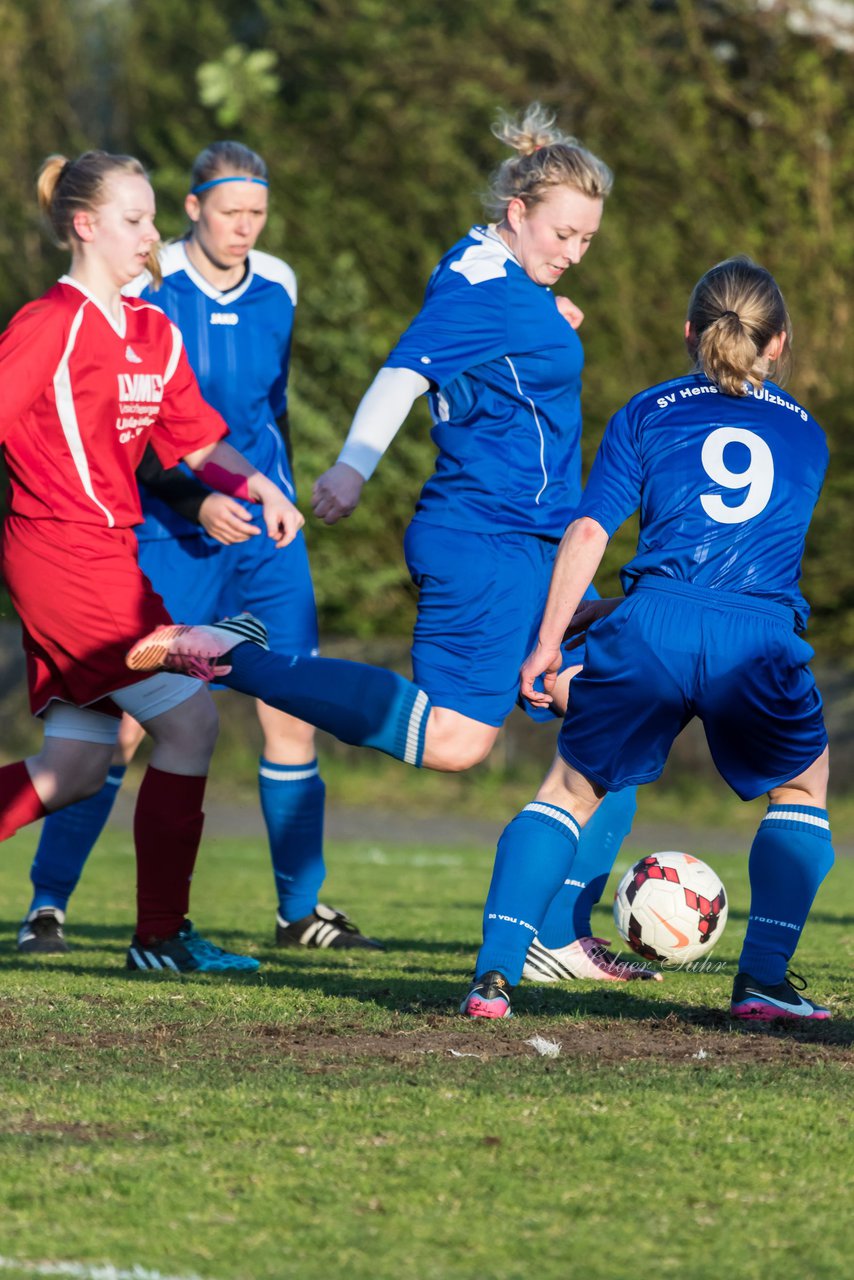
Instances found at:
x=493 y=349
x=235 y=309
x=726 y=469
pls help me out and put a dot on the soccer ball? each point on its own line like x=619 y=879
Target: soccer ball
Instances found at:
x=670 y=907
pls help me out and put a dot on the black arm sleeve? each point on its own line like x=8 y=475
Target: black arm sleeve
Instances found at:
x=173 y=486
x=284 y=425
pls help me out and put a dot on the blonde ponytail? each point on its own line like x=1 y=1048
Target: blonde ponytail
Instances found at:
x=545 y=157
x=734 y=312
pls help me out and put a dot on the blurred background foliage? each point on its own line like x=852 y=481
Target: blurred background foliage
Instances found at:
x=728 y=123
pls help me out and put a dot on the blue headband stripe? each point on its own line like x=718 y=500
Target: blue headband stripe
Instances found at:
x=237 y=177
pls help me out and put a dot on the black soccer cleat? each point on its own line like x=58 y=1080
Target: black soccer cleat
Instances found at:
x=42 y=933
x=323 y=928
x=186 y=952
x=765 y=1002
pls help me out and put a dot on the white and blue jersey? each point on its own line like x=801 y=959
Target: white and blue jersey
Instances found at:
x=505 y=369
x=726 y=486
x=239 y=346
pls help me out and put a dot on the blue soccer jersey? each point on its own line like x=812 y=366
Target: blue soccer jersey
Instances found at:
x=505 y=369
x=238 y=344
x=726 y=486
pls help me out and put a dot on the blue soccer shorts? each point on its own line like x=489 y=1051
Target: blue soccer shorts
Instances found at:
x=481 y=597
x=673 y=651
x=202 y=581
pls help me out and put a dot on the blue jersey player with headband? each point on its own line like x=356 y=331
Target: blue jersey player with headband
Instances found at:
x=493 y=349
x=202 y=551
x=726 y=469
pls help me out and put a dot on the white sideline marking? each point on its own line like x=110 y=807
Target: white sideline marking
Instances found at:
x=380 y=858
x=86 y=1270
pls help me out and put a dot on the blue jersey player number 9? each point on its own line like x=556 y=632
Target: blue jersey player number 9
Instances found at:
x=757 y=477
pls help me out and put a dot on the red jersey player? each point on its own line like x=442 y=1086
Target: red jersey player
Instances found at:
x=87 y=378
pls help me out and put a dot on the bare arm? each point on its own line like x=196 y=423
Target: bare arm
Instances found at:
x=579 y=556
x=223 y=468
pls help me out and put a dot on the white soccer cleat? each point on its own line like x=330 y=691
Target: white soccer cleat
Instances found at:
x=583 y=958
x=195 y=651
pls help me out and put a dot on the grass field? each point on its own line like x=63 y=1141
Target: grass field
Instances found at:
x=333 y=1116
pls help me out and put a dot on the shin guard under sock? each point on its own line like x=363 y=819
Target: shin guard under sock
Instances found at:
x=20 y=803
x=532 y=859
x=358 y=704
x=790 y=856
x=167 y=830
x=68 y=837
x=568 y=916
x=292 y=801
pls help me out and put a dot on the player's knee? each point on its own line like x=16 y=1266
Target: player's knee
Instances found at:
x=453 y=742
x=203 y=726
x=64 y=787
x=284 y=736
x=131 y=734
x=87 y=783
x=190 y=728
x=456 y=757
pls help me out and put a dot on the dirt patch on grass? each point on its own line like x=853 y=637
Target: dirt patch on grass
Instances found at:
x=28 y=1126
x=667 y=1039
x=706 y=1037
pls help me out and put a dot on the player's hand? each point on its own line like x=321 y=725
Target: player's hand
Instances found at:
x=572 y=314
x=336 y=493
x=588 y=612
x=545 y=662
x=282 y=519
x=226 y=519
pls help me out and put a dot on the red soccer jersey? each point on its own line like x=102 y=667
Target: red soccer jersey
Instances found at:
x=81 y=396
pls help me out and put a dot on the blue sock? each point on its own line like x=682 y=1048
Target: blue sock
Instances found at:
x=68 y=837
x=568 y=916
x=292 y=801
x=364 y=706
x=533 y=856
x=790 y=856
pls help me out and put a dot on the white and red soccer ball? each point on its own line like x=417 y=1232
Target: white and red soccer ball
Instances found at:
x=670 y=907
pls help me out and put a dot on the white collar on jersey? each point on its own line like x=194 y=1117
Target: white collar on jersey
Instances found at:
x=491 y=232
x=210 y=290
x=121 y=327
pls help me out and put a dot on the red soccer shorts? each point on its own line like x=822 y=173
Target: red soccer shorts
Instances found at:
x=83 y=601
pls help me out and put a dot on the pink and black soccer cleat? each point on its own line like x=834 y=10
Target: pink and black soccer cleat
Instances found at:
x=195 y=651
x=763 y=1002
x=489 y=997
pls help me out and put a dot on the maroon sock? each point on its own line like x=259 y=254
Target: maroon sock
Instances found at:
x=167 y=828
x=19 y=800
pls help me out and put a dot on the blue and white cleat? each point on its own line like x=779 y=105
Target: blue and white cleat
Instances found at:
x=196 y=651
x=761 y=1002
x=489 y=997
x=186 y=952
